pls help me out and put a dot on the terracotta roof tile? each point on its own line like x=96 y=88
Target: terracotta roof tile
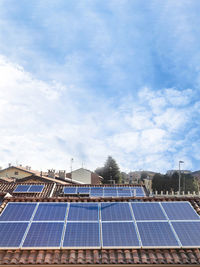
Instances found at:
x=152 y=257
x=112 y=256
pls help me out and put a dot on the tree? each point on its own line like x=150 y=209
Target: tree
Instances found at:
x=110 y=172
x=143 y=175
x=168 y=183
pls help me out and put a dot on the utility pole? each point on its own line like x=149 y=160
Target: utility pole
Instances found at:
x=179 y=181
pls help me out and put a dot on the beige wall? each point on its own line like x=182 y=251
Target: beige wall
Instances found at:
x=11 y=173
x=82 y=175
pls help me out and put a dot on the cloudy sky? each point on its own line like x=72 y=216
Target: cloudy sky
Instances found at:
x=92 y=78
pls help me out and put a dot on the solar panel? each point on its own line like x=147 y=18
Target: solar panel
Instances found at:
x=51 y=212
x=180 y=211
x=83 y=190
x=70 y=190
x=21 y=189
x=124 y=192
x=18 y=212
x=83 y=212
x=36 y=188
x=144 y=211
x=116 y=212
x=11 y=234
x=157 y=234
x=119 y=235
x=110 y=191
x=96 y=191
x=82 y=234
x=188 y=233
x=43 y=234
x=139 y=191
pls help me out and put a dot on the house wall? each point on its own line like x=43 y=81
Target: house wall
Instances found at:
x=82 y=175
x=95 y=180
x=11 y=173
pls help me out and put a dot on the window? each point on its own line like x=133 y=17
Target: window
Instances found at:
x=16 y=173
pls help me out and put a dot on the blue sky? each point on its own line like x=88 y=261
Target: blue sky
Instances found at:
x=88 y=79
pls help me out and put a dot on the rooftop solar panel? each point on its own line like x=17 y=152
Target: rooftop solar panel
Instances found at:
x=11 y=234
x=18 y=212
x=180 y=211
x=83 y=212
x=43 y=234
x=138 y=191
x=96 y=191
x=36 y=188
x=116 y=212
x=144 y=211
x=124 y=192
x=188 y=233
x=21 y=189
x=82 y=234
x=51 y=212
x=70 y=190
x=110 y=192
x=157 y=234
x=83 y=190
x=119 y=235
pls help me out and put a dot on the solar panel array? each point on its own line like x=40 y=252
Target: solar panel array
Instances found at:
x=29 y=189
x=115 y=191
x=99 y=225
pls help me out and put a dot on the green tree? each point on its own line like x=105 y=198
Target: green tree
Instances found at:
x=110 y=172
x=188 y=183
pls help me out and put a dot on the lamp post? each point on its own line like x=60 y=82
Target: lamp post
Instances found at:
x=179 y=182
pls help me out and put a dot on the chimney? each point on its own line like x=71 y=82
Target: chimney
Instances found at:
x=51 y=173
x=62 y=174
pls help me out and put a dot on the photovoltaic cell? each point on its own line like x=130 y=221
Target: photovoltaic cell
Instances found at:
x=157 y=234
x=139 y=191
x=82 y=234
x=36 y=188
x=21 y=189
x=96 y=191
x=70 y=190
x=11 y=234
x=51 y=212
x=110 y=191
x=115 y=212
x=124 y=191
x=83 y=212
x=43 y=234
x=144 y=211
x=18 y=212
x=188 y=233
x=83 y=190
x=119 y=234
x=180 y=211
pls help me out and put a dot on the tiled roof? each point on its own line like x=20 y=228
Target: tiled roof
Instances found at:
x=10 y=187
x=101 y=256
x=105 y=256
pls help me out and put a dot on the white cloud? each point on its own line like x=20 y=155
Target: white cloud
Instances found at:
x=44 y=125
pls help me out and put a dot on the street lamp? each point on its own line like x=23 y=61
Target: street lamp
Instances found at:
x=179 y=182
